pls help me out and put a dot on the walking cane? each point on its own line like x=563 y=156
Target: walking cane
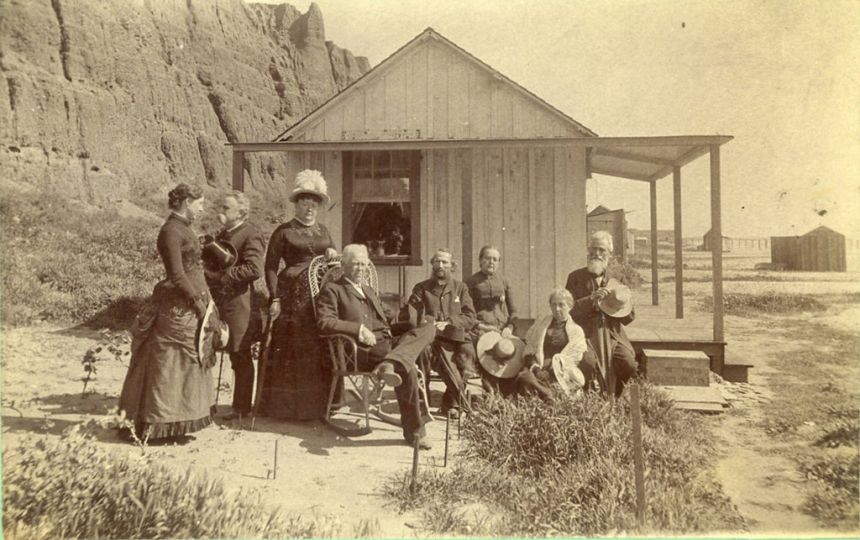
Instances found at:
x=218 y=388
x=265 y=352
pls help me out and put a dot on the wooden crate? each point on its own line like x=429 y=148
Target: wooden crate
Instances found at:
x=677 y=368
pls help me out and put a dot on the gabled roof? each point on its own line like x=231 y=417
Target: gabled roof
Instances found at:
x=823 y=231
x=404 y=52
x=600 y=209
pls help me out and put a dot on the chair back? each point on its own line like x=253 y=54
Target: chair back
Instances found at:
x=321 y=271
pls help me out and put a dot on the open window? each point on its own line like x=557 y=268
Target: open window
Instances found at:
x=382 y=205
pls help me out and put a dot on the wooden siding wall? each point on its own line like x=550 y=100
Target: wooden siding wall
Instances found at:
x=435 y=93
x=529 y=203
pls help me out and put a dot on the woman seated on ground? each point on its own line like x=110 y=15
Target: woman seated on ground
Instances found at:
x=553 y=336
x=168 y=389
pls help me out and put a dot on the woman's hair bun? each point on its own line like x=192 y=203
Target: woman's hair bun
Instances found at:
x=181 y=192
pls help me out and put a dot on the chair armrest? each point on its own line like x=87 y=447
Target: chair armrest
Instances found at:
x=343 y=350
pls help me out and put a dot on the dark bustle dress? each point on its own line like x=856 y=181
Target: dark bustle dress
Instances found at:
x=168 y=388
x=298 y=379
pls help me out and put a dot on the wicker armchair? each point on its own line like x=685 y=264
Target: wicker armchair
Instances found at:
x=365 y=386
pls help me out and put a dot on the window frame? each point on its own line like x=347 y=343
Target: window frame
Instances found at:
x=415 y=157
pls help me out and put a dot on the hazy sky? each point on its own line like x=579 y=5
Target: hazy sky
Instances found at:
x=782 y=77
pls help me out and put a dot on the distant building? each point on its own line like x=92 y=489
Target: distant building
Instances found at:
x=614 y=222
x=736 y=244
x=820 y=250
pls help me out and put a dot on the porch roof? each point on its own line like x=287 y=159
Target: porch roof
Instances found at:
x=637 y=158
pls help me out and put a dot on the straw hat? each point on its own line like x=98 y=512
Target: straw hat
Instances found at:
x=501 y=356
x=310 y=182
x=212 y=333
x=619 y=302
x=568 y=375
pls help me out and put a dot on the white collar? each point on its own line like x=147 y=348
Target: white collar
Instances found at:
x=236 y=226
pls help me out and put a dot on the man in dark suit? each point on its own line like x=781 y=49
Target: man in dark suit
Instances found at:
x=232 y=289
x=588 y=286
x=446 y=301
x=347 y=306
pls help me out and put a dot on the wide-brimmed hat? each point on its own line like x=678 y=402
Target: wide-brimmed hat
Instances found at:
x=212 y=335
x=310 y=182
x=218 y=255
x=619 y=301
x=501 y=356
x=567 y=374
x=453 y=333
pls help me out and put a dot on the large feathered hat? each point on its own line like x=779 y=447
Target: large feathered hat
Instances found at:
x=310 y=182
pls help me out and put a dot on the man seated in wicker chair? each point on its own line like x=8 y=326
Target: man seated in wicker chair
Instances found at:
x=346 y=306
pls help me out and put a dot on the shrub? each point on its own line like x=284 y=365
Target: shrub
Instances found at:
x=70 y=488
x=567 y=469
x=835 y=494
x=65 y=263
x=625 y=272
x=770 y=303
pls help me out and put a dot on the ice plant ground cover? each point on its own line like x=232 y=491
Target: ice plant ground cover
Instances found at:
x=533 y=469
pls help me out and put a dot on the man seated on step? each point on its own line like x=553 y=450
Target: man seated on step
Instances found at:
x=347 y=306
x=446 y=302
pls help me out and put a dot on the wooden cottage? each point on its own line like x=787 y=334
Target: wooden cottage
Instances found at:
x=434 y=148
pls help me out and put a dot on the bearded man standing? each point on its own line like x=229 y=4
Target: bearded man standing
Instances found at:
x=588 y=286
x=231 y=291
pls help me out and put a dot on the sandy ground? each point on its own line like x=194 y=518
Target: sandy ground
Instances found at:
x=322 y=474
x=319 y=473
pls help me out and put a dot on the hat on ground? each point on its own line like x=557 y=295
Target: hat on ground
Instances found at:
x=619 y=301
x=567 y=374
x=310 y=182
x=453 y=333
x=501 y=356
x=218 y=255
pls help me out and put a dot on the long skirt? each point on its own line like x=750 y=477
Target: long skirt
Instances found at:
x=168 y=389
x=298 y=378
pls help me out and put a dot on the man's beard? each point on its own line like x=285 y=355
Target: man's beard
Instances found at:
x=596 y=266
x=441 y=274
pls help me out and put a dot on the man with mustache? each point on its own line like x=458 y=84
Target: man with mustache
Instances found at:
x=232 y=289
x=445 y=301
x=588 y=286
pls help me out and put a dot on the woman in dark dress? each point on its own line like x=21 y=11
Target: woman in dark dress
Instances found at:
x=297 y=385
x=168 y=388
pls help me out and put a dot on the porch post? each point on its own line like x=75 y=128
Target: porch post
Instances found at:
x=655 y=285
x=239 y=170
x=716 y=245
x=679 y=264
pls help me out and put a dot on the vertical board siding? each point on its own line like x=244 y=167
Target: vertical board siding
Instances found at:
x=439 y=93
x=516 y=220
x=545 y=228
x=395 y=98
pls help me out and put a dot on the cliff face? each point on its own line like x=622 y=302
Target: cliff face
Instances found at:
x=106 y=100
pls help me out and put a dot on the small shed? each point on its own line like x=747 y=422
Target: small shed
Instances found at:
x=820 y=250
x=708 y=242
x=615 y=223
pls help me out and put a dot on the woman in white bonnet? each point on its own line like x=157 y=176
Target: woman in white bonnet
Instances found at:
x=297 y=384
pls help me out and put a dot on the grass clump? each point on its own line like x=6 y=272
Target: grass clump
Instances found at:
x=625 y=272
x=70 y=488
x=63 y=263
x=535 y=469
x=834 y=496
x=748 y=305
